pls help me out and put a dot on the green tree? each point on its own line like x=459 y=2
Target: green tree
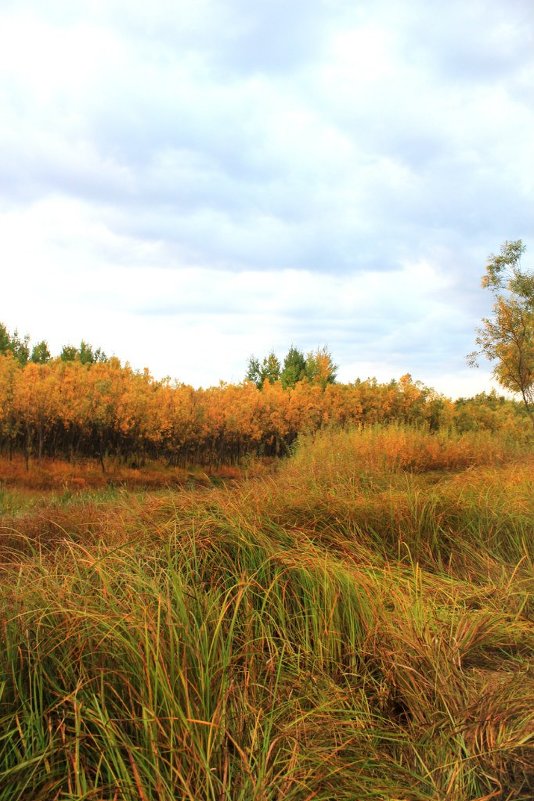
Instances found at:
x=254 y=372
x=5 y=339
x=90 y=355
x=507 y=338
x=268 y=370
x=271 y=368
x=40 y=353
x=85 y=354
x=20 y=347
x=68 y=353
x=17 y=345
x=294 y=368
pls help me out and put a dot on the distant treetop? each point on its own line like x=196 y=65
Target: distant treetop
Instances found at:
x=19 y=347
x=315 y=368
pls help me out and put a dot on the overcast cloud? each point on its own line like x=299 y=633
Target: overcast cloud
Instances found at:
x=187 y=183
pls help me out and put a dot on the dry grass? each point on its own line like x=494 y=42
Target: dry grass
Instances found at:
x=356 y=626
x=86 y=474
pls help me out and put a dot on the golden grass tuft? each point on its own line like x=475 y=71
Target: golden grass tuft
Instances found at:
x=356 y=625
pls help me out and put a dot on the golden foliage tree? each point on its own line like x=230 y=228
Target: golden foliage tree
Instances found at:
x=507 y=338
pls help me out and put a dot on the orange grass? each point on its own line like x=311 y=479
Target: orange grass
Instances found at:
x=54 y=474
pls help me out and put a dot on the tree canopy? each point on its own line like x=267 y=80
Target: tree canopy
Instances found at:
x=507 y=337
x=15 y=344
x=267 y=370
x=85 y=354
x=315 y=368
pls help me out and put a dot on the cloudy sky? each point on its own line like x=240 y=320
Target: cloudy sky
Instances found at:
x=188 y=182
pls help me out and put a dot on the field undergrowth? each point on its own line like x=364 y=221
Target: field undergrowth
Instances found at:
x=355 y=625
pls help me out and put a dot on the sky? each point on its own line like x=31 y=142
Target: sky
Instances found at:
x=186 y=184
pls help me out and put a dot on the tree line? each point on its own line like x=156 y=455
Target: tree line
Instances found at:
x=74 y=409
x=19 y=348
x=84 y=404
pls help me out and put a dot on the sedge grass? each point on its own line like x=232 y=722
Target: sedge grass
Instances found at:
x=313 y=635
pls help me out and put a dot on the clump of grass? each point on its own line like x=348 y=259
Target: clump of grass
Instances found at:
x=312 y=635
x=358 y=455
x=413 y=496
x=15 y=501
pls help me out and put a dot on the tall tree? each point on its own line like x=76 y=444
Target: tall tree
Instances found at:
x=68 y=353
x=320 y=368
x=268 y=370
x=271 y=368
x=294 y=368
x=507 y=338
x=40 y=353
x=254 y=372
x=17 y=345
x=85 y=354
x=5 y=339
x=89 y=355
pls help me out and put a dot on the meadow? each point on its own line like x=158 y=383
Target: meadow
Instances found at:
x=351 y=622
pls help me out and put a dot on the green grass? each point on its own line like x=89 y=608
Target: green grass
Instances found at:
x=355 y=627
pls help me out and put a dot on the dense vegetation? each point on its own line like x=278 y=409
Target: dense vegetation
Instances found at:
x=356 y=625
x=83 y=404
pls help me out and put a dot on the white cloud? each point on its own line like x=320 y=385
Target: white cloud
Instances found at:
x=202 y=324
x=188 y=183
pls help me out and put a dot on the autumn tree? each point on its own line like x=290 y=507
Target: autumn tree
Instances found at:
x=37 y=405
x=507 y=338
x=9 y=420
x=320 y=368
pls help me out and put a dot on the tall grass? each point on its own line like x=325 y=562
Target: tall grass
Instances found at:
x=356 y=626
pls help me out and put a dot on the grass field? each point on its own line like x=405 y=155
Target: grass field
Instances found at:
x=354 y=624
